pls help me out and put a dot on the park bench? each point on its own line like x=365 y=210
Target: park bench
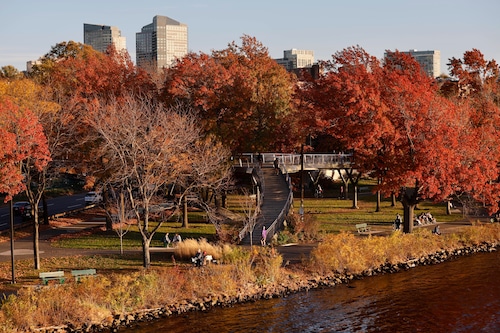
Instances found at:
x=363 y=228
x=80 y=273
x=47 y=276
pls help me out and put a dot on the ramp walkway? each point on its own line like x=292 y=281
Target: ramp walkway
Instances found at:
x=275 y=200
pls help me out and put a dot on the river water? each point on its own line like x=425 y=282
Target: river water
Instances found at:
x=460 y=295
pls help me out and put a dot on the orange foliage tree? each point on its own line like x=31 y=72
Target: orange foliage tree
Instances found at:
x=400 y=128
x=477 y=94
x=23 y=152
x=79 y=77
x=242 y=95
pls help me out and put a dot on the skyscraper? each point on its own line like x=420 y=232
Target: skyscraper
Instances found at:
x=430 y=61
x=161 y=42
x=101 y=36
x=293 y=59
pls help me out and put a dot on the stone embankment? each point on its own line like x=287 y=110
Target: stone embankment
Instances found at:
x=112 y=324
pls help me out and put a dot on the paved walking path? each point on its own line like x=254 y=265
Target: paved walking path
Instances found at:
x=273 y=201
x=23 y=247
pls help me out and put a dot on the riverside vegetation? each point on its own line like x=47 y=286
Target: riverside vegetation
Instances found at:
x=123 y=292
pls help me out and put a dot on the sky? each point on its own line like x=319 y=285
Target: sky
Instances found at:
x=29 y=28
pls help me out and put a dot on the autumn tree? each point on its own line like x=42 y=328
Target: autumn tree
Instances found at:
x=10 y=72
x=400 y=128
x=477 y=94
x=147 y=147
x=345 y=103
x=242 y=96
x=79 y=78
x=24 y=152
x=27 y=94
x=426 y=154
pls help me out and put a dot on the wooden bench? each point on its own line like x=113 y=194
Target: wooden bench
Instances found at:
x=363 y=228
x=47 y=276
x=80 y=273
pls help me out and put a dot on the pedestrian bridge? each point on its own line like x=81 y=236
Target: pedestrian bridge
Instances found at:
x=277 y=194
x=292 y=162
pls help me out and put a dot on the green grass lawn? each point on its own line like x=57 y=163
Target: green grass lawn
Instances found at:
x=132 y=239
x=334 y=215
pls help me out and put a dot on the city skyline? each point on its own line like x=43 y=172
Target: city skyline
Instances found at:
x=31 y=28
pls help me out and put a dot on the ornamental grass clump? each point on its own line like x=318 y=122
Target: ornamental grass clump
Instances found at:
x=188 y=248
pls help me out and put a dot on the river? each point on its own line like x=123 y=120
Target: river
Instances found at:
x=460 y=295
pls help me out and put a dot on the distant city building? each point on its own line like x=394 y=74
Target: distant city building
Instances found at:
x=294 y=59
x=161 y=42
x=31 y=63
x=430 y=61
x=102 y=36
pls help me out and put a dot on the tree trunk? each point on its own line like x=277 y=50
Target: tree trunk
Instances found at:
x=146 y=255
x=378 y=209
x=354 y=179
x=109 y=222
x=45 y=210
x=408 y=217
x=36 y=236
x=448 y=207
x=185 y=222
x=378 y=197
x=355 y=197
x=393 y=199
x=224 y=199
x=409 y=201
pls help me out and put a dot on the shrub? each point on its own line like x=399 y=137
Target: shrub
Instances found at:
x=305 y=228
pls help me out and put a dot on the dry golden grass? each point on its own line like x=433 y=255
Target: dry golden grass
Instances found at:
x=347 y=252
x=100 y=297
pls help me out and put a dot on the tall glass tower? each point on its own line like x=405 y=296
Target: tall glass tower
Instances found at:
x=161 y=42
x=101 y=36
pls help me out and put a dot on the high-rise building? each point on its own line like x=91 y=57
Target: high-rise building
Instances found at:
x=101 y=36
x=294 y=59
x=161 y=42
x=430 y=61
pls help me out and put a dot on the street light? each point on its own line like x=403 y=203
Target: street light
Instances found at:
x=301 y=209
x=12 y=240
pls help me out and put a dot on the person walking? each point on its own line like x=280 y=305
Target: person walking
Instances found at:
x=276 y=164
x=264 y=236
x=397 y=222
x=166 y=240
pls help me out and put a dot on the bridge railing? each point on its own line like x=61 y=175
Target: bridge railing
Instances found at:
x=311 y=160
x=260 y=193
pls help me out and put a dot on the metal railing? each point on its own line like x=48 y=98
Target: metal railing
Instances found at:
x=243 y=232
x=293 y=161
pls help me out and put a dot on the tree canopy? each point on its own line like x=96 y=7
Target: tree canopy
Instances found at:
x=240 y=93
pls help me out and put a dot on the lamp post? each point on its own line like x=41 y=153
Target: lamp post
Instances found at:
x=301 y=209
x=12 y=240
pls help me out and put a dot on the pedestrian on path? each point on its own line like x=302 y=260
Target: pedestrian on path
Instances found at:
x=264 y=236
x=166 y=240
x=277 y=166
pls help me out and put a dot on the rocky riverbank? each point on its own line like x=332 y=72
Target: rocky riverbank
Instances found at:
x=254 y=293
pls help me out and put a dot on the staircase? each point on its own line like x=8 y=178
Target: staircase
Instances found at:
x=274 y=199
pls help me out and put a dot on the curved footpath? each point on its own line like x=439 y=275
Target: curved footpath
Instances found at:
x=23 y=248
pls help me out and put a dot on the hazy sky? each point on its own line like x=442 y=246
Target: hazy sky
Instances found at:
x=29 y=28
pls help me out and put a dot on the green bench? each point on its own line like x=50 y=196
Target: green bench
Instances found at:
x=363 y=228
x=80 y=273
x=48 y=276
